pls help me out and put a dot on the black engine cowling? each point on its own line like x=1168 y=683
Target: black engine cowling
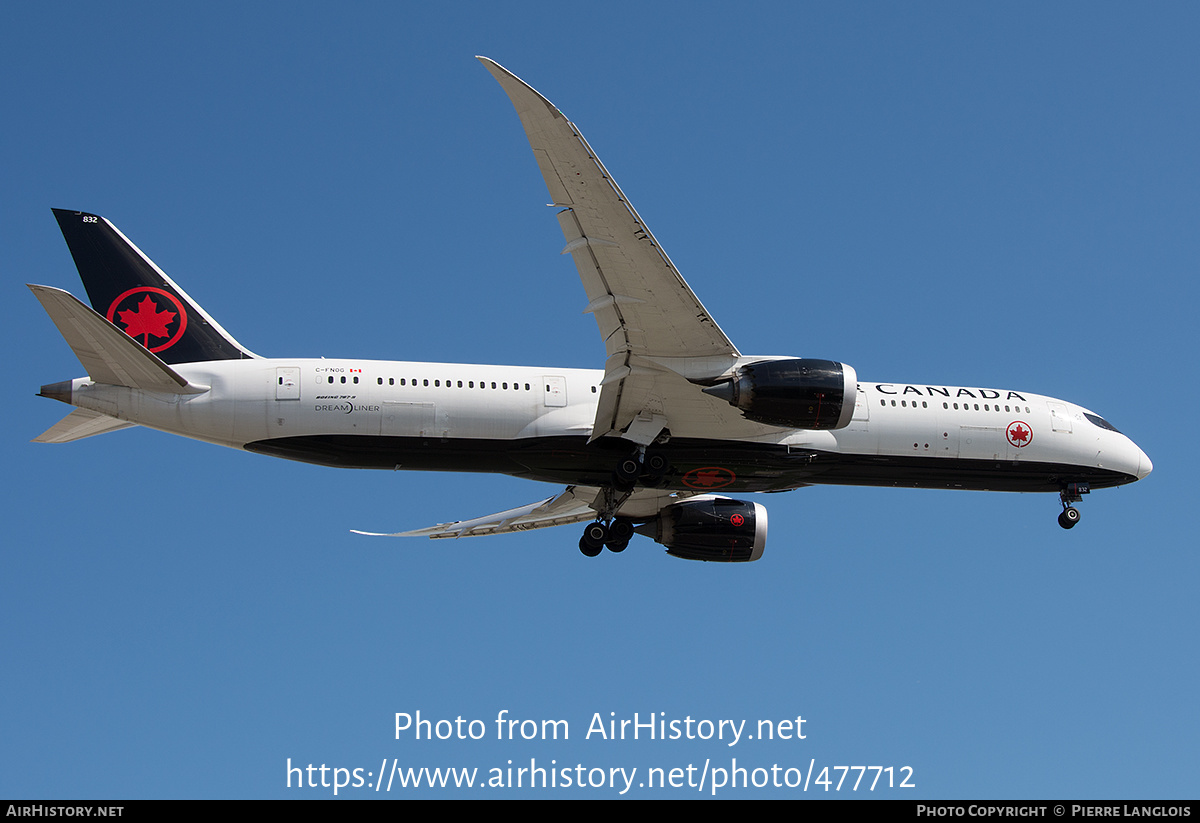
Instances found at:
x=798 y=393
x=717 y=529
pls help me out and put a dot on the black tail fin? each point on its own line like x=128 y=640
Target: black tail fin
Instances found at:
x=125 y=286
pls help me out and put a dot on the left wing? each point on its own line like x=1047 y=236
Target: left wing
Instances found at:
x=575 y=505
x=658 y=335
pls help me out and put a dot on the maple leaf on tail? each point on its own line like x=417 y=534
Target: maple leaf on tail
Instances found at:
x=147 y=321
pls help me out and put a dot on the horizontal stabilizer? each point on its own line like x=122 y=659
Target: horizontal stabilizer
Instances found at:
x=79 y=424
x=108 y=354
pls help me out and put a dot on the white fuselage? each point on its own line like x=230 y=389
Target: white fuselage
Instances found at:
x=263 y=400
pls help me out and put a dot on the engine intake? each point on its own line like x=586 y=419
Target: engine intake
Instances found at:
x=796 y=393
x=712 y=528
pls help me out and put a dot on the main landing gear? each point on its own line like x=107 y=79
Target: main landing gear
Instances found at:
x=647 y=468
x=597 y=535
x=1072 y=493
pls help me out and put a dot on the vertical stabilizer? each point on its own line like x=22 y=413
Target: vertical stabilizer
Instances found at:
x=127 y=289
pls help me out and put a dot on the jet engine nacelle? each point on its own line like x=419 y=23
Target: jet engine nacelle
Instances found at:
x=798 y=393
x=711 y=528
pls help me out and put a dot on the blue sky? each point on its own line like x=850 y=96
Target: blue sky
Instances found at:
x=946 y=193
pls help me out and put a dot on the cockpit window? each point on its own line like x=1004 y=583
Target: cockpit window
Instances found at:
x=1101 y=422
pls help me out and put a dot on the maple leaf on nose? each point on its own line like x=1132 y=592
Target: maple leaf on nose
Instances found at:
x=1020 y=434
x=147 y=320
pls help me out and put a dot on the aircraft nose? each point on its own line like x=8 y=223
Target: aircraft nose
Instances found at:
x=1123 y=455
x=1144 y=464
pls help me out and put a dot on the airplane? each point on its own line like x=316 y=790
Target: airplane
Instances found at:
x=652 y=444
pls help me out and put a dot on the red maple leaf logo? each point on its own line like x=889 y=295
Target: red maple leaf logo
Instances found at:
x=147 y=321
x=710 y=477
x=1019 y=434
x=737 y=520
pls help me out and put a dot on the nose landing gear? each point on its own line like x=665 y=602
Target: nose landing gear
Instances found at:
x=1069 y=517
x=1071 y=493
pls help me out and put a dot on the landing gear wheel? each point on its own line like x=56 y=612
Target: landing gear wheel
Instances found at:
x=1071 y=493
x=588 y=549
x=626 y=474
x=1068 y=518
x=620 y=531
x=655 y=467
x=595 y=535
x=656 y=463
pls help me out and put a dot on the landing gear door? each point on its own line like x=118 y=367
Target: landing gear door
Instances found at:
x=287 y=383
x=555 y=391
